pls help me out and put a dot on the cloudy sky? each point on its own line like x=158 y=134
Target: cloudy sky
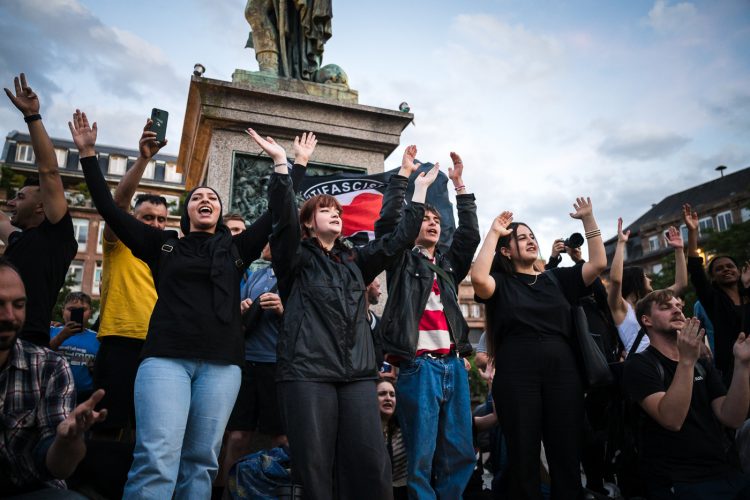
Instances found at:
x=624 y=101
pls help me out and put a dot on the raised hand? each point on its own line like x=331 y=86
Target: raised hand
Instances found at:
x=409 y=163
x=82 y=418
x=24 y=99
x=148 y=146
x=304 y=147
x=674 y=238
x=690 y=217
x=690 y=339
x=455 y=174
x=582 y=207
x=272 y=149
x=741 y=349
x=558 y=247
x=425 y=179
x=501 y=222
x=622 y=236
x=84 y=135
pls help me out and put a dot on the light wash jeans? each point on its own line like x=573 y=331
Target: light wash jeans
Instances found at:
x=182 y=407
x=434 y=412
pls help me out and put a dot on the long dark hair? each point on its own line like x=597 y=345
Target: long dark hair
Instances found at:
x=634 y=282
x=504 y=265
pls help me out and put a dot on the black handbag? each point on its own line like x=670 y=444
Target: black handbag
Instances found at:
x=595 y=367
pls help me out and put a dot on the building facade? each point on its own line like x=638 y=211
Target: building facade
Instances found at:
x=160 y=177
x=719 y=204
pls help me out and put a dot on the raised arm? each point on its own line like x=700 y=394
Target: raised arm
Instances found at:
x=614 y=296
x=393 y=199
x=597 y=262
x=375 y=256
x=732 y=410
x=690 y=217
x=50 y=183
x=670 y=408
x=144 y=241
x=483 y=282
x=148 y=146
x=674 y=240
x=466 y=238
x=698 y=278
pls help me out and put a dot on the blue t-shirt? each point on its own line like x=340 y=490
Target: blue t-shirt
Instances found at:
x=260 y=343
x=80 y=351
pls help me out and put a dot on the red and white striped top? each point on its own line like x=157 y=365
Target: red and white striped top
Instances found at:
x=434 y=335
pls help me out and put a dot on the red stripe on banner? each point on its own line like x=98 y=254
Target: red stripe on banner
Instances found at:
x=433 y=320
x=361 y=213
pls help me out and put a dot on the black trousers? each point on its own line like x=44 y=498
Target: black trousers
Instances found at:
x=336 y=440
x=539 y=397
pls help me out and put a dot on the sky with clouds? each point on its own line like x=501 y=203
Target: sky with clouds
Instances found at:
x=623 y=101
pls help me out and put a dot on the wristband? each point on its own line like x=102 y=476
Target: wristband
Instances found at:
x=462 y=186
x=593 y=233
x=280 y=164
x=32 y=118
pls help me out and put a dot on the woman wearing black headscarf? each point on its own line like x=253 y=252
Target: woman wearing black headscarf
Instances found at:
x=190 y=374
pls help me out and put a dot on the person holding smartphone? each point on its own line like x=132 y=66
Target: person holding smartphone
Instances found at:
x=189 y=375
x=76 y=342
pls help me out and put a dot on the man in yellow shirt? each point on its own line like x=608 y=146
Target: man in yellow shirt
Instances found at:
x=127 y=298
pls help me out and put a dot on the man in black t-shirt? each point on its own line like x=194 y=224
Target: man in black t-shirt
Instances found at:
x=685 y=404
x=39 y=233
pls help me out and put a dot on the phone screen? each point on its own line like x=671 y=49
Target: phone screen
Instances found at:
x=77 y=315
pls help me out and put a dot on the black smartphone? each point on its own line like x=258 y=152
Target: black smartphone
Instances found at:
x=76 y=314
x=159 y=118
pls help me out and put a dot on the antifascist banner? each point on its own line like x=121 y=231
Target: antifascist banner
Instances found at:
x=361 y=196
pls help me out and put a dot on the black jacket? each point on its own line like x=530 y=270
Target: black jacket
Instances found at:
x=326 y=336
x=410 y=279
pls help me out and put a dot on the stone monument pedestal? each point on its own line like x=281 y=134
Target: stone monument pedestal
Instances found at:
x=350 y=136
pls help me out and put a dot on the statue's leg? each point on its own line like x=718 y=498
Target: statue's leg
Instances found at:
x=260 y=16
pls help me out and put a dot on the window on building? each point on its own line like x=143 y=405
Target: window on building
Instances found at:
x=745 y=214
x=705 y=224
x=118 y=165
x=75 y=275
x=25 y=154
x=465 y=310
x=81 y=230
x=100 y=238
x=173 y=203
x=475 y=311
x=62 y=157
x=97 y=278
x=684 y=233
x=171 y=174
x=724 y=220
x=653 y=243
x=148 y=173
x=656 y=268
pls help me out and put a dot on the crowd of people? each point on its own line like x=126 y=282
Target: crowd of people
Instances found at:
x=197 y=352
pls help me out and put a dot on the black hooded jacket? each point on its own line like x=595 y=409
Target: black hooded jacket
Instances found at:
x=197 y=314
x=326 y=335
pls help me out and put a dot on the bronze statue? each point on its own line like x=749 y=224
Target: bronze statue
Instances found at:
x=288 y=35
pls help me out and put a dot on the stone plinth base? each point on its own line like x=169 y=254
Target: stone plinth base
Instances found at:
x=270 y=82
x=350 y=136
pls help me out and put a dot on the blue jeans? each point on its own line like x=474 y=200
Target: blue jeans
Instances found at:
x=434 y=411
x=182 y=407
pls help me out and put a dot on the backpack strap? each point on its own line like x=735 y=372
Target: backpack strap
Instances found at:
x=441 y=272
x=168 y=247
x=238 y=262
x=636 y=342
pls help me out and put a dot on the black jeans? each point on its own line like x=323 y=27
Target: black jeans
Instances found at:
x=114 y=371
x=539 y=397
x=336 y=440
